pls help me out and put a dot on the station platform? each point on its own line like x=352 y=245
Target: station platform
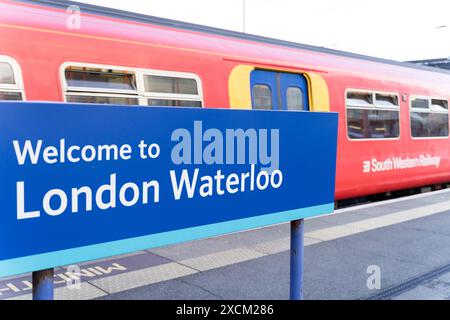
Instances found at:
x=407 y=240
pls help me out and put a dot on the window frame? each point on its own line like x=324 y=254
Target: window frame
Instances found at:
x=373 y=107
x=139 y=93
x=18 y=87
x=429 y=98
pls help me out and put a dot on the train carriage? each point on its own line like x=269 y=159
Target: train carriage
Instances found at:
x=393 y=117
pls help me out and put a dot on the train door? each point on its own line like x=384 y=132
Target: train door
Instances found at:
x=278 y=91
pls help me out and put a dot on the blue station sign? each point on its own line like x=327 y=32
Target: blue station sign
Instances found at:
x=81 y=182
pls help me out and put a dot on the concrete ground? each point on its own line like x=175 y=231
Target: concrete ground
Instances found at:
x=395 y=249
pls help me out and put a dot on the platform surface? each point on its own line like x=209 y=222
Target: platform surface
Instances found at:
x=406 y=239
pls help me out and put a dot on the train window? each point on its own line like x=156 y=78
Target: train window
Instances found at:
x=11 y=87
x=420 y=103
x=177 y=90
x=262 y=97
x=439 y=105
x=6 y=73
x=429 y=118
x=130 y=86
x=101 y=99
x=100 y=85
x=359 y=99
x=294 y=98
x=164 y=84
x=386 y=100
x=174 y=103
x=372 y=115
x=7 y=95
x=99 y=79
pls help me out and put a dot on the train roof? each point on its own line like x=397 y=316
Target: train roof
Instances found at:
x=147 y=19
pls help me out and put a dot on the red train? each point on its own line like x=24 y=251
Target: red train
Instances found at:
x=393 y=117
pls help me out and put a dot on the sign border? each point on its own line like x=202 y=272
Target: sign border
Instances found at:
x=58 y=258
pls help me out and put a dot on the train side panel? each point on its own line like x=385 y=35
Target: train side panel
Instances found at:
x=41 y=46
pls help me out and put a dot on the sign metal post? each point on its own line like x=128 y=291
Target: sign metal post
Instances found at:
x=43 y=284
x=296 y=271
